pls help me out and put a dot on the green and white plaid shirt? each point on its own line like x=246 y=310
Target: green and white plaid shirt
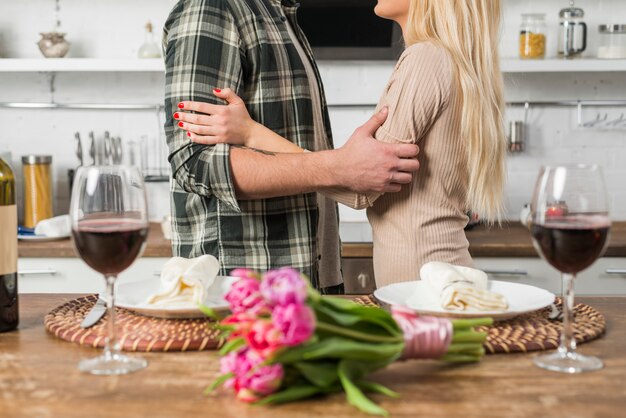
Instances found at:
x=243 y=45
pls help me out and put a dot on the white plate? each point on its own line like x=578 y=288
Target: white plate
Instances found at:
x=41 y=238
x=133 y=296
x=522 y=299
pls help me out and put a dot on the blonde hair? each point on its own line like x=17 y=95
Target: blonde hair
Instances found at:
x=469 y=30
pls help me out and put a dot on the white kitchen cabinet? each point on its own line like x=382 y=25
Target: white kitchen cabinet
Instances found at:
x=606 y=277
x=72 y=275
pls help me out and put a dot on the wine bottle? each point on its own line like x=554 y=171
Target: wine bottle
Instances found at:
x=149 y=49
x=9 y=316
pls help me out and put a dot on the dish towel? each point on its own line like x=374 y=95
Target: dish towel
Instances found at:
x=186 y=282
x=462 y=288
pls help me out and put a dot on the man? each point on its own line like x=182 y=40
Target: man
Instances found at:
x=253 y=209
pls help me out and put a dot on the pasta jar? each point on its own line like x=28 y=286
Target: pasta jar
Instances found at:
x=532 y=40
x=37 y=189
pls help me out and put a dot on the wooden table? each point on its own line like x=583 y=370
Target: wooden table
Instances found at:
x=39 y=378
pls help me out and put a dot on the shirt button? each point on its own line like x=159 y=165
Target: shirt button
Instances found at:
x=283 y=19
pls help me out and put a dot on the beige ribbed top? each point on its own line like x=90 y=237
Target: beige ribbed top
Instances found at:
x=425 y=221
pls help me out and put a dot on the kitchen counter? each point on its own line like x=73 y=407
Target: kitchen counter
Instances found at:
x=512 y=240
x=39 y=378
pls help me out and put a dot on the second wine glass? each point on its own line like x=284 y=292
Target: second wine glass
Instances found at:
x=570 y=229
x=109 y=228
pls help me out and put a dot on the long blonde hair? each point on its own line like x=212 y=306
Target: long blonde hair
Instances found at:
x=469 y=30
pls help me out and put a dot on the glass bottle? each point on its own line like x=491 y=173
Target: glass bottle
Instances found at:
x=532 y=41
x=149 y=49
x=9 y=314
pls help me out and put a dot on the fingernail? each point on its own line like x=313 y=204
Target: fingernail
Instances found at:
x=176 y=115
x=181 y=125
x=217 y=90
x=189 y=134
x=181 y=105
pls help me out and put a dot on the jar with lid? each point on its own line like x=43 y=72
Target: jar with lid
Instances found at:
x=612 y=42
x=532 y=41
x=572 y=32
x=37 y=189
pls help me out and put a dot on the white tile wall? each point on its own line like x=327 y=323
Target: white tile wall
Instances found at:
x=114 y=29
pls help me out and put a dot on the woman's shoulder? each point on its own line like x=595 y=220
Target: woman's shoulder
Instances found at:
x=427 y=52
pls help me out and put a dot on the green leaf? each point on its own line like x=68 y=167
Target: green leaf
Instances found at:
x=321 y=374
x=340 y=348
x=291 y=394
x=232 y=345
x=218 y=382
x=349 y=313
x=209 y=312
x=355 y=396
x=377 y=388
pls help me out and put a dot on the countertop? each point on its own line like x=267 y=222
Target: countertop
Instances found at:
x=512 y=240
x=39 y=378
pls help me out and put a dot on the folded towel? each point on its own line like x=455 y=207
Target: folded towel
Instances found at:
x=59 y=226
x=461 y=288
x=185 y=282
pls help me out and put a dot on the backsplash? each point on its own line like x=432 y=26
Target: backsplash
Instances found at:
x=114 y=29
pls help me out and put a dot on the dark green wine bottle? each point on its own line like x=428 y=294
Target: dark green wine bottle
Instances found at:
x=9 y=313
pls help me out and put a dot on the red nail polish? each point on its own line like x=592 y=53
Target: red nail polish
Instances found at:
x=217 y=90
x=180 y=124
x=181 y=105
x=189 y=134
x=176 y=115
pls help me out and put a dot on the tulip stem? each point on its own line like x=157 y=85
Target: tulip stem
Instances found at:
x=346 y=332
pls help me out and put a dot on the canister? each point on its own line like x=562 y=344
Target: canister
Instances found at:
x=612 y=41
x=37 y=189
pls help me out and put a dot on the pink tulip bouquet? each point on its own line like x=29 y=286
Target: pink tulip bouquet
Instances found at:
x=285 y=342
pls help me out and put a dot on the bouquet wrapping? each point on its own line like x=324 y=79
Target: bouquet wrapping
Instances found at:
x=284 y=342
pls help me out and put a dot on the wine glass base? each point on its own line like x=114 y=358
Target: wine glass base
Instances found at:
x=112 y=364
x=568 y=362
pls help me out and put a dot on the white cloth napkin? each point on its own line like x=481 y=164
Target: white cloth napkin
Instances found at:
x=185 y=282
x=59 y=226
x=461 y=288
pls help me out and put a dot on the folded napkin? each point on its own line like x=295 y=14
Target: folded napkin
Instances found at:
x=461 y=288
x=59 y=226
x=185 y=282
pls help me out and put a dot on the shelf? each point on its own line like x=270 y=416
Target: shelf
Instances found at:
x=81 y=65
x=516 y=65
x=509 y=65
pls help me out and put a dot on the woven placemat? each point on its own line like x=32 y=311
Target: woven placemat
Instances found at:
x=534 y=331
x=135 y=332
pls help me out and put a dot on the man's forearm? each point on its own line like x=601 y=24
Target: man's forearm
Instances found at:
x=258 y=175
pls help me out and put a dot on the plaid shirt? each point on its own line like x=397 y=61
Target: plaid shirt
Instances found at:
x=243 y=45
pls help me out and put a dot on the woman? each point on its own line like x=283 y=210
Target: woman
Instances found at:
x=446 y=96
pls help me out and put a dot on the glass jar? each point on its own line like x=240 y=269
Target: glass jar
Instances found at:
x=612 y=42
x=37 y=189
x=532 y=40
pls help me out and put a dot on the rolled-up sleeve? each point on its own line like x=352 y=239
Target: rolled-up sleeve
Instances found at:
x=202 y=52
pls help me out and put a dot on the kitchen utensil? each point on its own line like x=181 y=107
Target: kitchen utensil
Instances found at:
x=516 y=136
x=612 y=42
x=118 y=153
x=570 y=229
x=107 y=148
x=572 y=32
x=92 y=148
x=79 y=149
x=95 y=314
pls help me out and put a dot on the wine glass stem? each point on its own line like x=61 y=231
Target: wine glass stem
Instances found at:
x=110 y=347
x=568 y=342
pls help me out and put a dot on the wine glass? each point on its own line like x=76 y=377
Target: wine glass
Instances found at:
x=109 y=229
x=570 y=229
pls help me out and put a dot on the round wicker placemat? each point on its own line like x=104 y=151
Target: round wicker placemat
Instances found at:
x=534 y=331
x=135 y=332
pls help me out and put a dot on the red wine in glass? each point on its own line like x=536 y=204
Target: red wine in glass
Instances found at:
x=571 y=244
x=109 y=246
